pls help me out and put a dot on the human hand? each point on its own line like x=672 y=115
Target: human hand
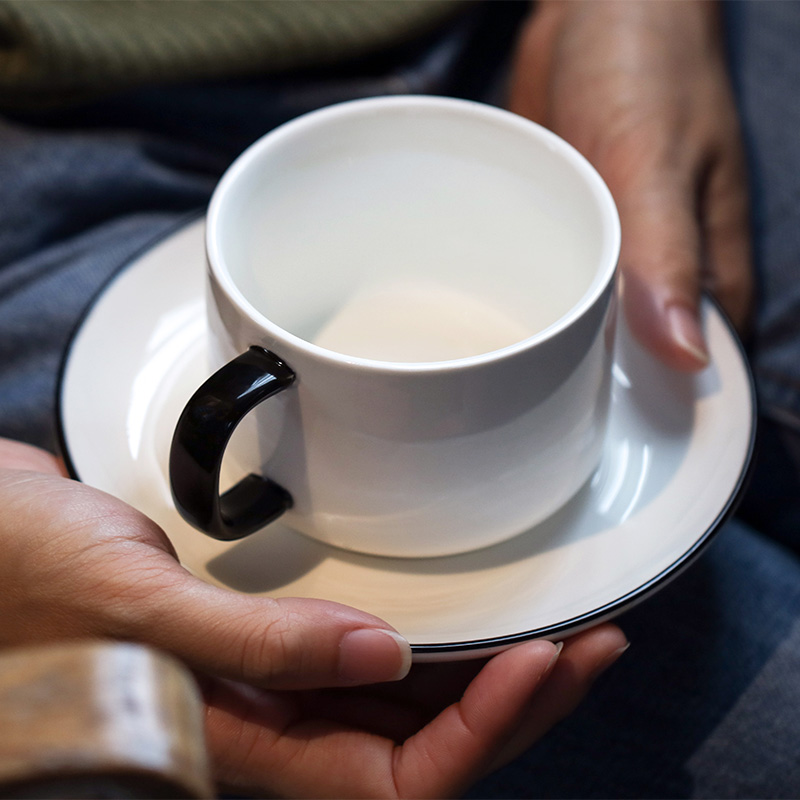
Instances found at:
x=79 y=563
x=641 y=89
x=283 y=716
x=432 y=734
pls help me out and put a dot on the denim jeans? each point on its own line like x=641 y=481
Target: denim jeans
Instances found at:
x=706 y=701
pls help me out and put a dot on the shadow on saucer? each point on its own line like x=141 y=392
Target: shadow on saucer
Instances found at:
x=653 y=417
x=268 y=560
x=277 y=556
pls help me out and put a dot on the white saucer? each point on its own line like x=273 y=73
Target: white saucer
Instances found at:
x=678 y=449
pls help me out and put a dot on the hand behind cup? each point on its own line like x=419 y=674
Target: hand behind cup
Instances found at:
x=642 y=90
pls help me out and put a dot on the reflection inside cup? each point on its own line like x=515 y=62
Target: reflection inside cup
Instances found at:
x=412 y=238
x=417 y=321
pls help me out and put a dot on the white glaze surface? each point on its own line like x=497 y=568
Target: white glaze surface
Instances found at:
x=439 y=451
x=675 y=453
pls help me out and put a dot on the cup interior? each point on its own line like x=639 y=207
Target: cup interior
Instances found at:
x=447 y=217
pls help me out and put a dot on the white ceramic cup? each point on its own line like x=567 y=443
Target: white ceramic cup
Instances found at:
x=426 y=286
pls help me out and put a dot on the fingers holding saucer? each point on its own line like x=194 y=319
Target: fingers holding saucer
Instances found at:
x=582 y=660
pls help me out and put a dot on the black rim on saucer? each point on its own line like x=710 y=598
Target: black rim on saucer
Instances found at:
x=554 y=631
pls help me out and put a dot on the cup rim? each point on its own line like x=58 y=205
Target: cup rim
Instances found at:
x=609 y=214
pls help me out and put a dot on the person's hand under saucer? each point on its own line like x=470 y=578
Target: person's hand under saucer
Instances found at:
x=642 y=90
x=303 y=697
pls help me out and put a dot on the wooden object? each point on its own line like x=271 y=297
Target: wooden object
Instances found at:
x=100 y=719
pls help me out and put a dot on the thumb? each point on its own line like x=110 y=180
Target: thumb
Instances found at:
x=661 y=274
x=82 y=562
x=285 y=643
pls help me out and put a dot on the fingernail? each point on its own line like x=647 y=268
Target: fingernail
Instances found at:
x=611 y=659
x=371 y=655
x=686 y=332
x=554 y=658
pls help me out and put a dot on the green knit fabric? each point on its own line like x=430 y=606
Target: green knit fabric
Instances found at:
x=54 y=51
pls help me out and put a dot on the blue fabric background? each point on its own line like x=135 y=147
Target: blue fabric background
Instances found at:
x=706 y=702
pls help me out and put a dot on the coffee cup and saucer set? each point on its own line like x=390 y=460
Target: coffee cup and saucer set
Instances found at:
x=388 y=368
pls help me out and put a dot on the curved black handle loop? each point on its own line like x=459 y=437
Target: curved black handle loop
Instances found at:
x=199 y=442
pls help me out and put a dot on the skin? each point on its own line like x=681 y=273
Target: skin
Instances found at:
x=282 y=715
x=641 y=89
x=301 y=699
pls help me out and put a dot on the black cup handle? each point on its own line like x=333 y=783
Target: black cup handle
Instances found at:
x=199 y=442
